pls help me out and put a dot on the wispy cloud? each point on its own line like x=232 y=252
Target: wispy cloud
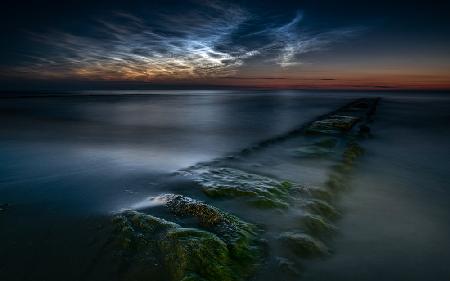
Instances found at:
x=190 y=44
x=291 y=40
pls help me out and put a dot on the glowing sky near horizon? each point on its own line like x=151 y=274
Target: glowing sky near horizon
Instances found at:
x=224 y=43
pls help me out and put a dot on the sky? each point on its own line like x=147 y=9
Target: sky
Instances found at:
x=317 y=44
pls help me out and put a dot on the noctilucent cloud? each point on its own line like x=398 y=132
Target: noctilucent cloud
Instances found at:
x=268 y=44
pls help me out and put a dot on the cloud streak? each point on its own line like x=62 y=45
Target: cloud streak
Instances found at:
x=200 y=43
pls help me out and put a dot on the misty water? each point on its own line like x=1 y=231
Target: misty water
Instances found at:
x=69 y=163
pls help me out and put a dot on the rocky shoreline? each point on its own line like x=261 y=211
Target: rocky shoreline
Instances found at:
x=198 y=241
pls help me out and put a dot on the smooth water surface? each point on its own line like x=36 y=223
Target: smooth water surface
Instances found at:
x=69 y=162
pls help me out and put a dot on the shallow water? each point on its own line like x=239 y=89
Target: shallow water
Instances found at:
x=68 y=163
x=395 y=223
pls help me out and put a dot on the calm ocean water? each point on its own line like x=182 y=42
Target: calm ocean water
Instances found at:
x=69 y=162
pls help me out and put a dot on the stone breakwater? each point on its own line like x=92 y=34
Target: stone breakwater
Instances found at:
x=198 y=241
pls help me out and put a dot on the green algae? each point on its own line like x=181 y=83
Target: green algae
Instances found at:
x=243 y=249
x=240 y=237
x=267 y=203
x=133 y=228
x=287 y=266
x=338 y=178
x=322 y=208
x=184 y=251
x=352 y=152
x=303 y=245
x=324 y=194
x=192 y=252
x=336 y=181
x=316 y=225
x=259 y=191
x=225 y=249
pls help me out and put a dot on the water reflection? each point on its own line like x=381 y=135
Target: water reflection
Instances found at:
x=68 y=162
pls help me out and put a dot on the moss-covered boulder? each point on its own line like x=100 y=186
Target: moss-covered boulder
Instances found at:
x=352 y=152
x=223 y=248
x=241 y=237
x=315 y=225
x=303 y=245
x=190 y=253
x=322 y=208
x=288 y=267
x=259 y=191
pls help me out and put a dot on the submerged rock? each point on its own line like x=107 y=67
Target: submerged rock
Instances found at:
x=184 y=251
x=327 y=143
x=337 y=180
x=303 y=245
x=240 y=236
x=312 y=151
x=190 y=253
x=352 y=152
x=321 y=208
x=344 y=119
x=316 y=225
x=320 y=148
x=288 y=266
x=260 y=191
x=225 y=248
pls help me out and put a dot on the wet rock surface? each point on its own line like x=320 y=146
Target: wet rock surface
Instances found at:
x=217 y=245
x=303 y=245
x=333 y=124
x=259 y=191
x=223 y=247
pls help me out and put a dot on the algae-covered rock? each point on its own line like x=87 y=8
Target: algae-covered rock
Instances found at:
x=321 y=208
x=337 y=180
x=240 y=237
x=319 y=148
x=225 y=249
x=352 y=152
x=303 y=245
x=135 y=229
x=190 y=253
x=184 y=251
x=259 y=191
x=323 y=194
x=288 y=267
x=333 y=124
x=316 y=225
